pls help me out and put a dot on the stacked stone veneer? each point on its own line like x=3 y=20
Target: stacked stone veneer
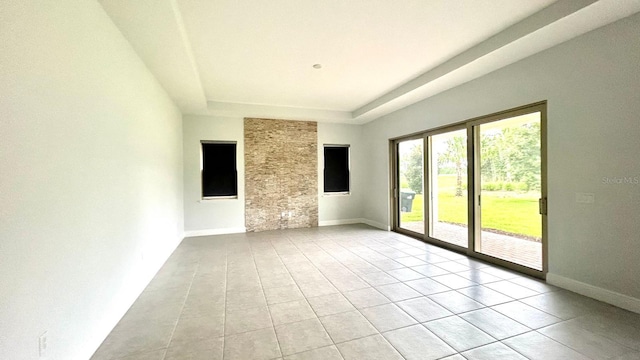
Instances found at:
x=281 y=174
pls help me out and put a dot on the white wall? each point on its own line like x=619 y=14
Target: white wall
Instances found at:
x=592 y=85
x=90 y=177
x=227 y=216
x=341 y=209
x=218 y=216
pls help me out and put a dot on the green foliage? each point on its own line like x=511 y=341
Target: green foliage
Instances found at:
x=516 y=214
x=456 y=155
x=512 y=155
x=413 y=169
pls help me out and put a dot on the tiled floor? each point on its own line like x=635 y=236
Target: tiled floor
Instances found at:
x=520 y=251
x=353 y=292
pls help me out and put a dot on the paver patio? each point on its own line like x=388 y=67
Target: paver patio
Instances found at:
x=511 y=248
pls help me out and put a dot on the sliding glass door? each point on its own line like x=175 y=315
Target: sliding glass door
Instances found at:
x=477 y=187
x=409 y=194
x=509 y=187
x=448 y=200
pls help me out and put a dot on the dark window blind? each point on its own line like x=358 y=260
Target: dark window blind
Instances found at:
x=219 y=175
x=336 y=169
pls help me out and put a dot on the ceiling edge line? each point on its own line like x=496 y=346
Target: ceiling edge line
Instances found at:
x=549 y=15
x=188 y=49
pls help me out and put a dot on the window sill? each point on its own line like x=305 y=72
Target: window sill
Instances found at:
x=346 y=193
x=217 y=198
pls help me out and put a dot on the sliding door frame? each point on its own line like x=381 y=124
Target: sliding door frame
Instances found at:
x=473 y=184
x=394 y=158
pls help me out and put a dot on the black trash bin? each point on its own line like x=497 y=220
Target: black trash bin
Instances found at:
x=406 y=200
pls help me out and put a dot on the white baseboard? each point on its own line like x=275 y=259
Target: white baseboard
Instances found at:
x=207 y=232
x=611 y=297
x=340 y=222
x=376 y=224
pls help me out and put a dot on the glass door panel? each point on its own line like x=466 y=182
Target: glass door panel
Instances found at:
x=509 y=188
x=410 y=190
x=448 y=208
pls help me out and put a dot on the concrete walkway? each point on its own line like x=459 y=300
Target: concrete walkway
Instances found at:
x=510 y=248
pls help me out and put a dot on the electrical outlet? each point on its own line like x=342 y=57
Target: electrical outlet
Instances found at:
x=43 y=345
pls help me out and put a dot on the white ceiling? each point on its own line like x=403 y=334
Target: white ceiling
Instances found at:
x=255 y=58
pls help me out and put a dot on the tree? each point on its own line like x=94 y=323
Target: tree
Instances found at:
x=455 y=154
x=512 y=155
x=413 y=171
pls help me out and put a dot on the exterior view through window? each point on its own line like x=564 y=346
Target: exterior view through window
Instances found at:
x=411 y=196
x=478 y=187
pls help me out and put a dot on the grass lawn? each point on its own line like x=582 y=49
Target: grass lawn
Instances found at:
x=504 y=211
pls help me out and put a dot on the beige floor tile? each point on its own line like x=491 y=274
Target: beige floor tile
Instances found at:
x=317 y=288
x=312 y=275
x=493 y=352
x=416 y=342
x=564 y=304
x=431 y=258
x=427 y=286
x=478 y=276
x=410 y=261
x=347 y=326
x=513 y=290
x=325 y=353
x=134 y=340
x=494 y=323
x=253 y=345
x=239 y=321
x=238 y=300
x=456 y=302
x=453 y=281
x=216 y=280
x=500 y=272
x=387 y=317
x=366 y=298
x=526 y=315
x=282 y=294
x=210 y=349
x=194 y=329
x=387 y=264
x=539 y=347
x=614 y=328
x=629 y=356
x=276 y=280
x=454 y=357
x=405 y=274
x=458 y=333
x=534 y=284
x=584 y=341
x=302 y=336
x=398 y=292
x=153 y=355
x=484 y=295
x=378 y=278
x=350 y=283
x=374 y=347
x=292 y=311
x=330 y=304
x=452 y=266
x=423 y=309
x=430 y=270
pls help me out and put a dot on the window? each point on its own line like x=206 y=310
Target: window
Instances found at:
x=336 y=168
x=219 y=175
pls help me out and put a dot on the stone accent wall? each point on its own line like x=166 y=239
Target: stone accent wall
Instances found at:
x=281 y=174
